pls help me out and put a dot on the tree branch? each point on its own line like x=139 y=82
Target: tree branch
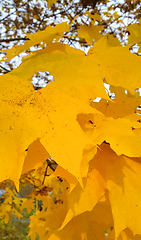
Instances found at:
x=5 y=69
x=14 y=39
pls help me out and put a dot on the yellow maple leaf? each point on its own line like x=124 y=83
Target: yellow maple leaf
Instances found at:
x=49 y=220
x=127 y=234
x=102 y=62
x=121 y=106
x=90 y=33
x=112 y=64
x=82 y=200
x=134 y=31
x=88 y=154
x=112 y=41
x=122 y=177
x=14 y=140
x=71 y=179
x=119 y=133
x=27 y=116
x=78 y=74
x=48 y=34
x=36 y=156
x=28 y=204
x=37 y=224
x=88 y=225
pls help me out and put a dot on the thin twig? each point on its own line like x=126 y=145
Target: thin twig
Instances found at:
x=45 y=174
x=76 y=40
x=41 y=20
x=5 y=69
x=7 y=16
x=14 y=39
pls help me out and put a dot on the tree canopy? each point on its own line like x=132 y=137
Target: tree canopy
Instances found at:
x=70 y=117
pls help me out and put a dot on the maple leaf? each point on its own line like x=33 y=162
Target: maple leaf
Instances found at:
x=89 y=33
x=14 y=141
x=70 y=178
x=92 y=33
x=119 y=133
x=48 y=220
x=28 y=204
x=83 y=200
x=36 y=156
x=122 y=177
x=64 y=62
x=88 y=225
x=112 y=64
x=120 y=107
x=67 y=65
x=134 y=33
x=47 y=35
x=28 y=116
x=127 y=234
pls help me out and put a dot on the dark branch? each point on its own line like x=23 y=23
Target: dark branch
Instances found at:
x=14 y=39
x=7 y=16
x=5 y=69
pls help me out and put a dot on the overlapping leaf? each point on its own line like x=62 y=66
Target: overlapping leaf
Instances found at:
x=48 y=115
x=83 y=200
x=47 y=35
x=134 y=33
x=102 y=62
x=119 y=66
x=78 y=74
x=36 y=156
x=90 y=33
x=119 y=133
x=122 y=177
x=120 y=107
x=88 y=225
